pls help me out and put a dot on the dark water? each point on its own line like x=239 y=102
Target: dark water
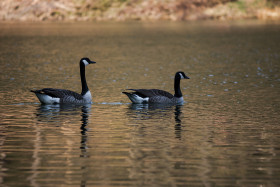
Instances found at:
x=226 y=134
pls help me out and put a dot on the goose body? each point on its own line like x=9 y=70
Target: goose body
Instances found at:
x=158 y=96
x=60 y=96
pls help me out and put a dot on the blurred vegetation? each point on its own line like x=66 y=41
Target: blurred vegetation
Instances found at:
x=57 y=10
x=246 y=9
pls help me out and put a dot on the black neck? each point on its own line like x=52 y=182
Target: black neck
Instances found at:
x=83 y=79
x=177 y=88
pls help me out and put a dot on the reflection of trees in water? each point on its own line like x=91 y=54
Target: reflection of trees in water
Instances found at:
x=58 y=115
x=157 y=111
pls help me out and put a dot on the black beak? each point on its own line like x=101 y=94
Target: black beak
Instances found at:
x=92 y=62
x=186 y=77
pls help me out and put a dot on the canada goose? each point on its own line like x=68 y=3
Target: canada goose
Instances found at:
x=55 y=96
x=158 y=96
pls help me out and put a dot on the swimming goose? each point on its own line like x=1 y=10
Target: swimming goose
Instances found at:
x=55 y=96
x=158 y=96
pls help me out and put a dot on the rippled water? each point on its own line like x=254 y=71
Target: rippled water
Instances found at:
x=226 y=133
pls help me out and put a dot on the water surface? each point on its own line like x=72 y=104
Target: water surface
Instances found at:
x=225 y=134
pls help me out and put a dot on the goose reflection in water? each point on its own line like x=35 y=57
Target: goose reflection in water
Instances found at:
x=178 y=126
x=84 y=129
x=61 y=114
x=157 y=111
x=52 y=116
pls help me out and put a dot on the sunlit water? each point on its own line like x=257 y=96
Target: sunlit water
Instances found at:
x=226 y=133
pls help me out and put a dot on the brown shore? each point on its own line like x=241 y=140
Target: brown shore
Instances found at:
x=121 y=10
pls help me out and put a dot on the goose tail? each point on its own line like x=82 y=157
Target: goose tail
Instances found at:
x=136 y=98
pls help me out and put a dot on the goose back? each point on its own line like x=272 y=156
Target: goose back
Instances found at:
x=152 y=96
x=60 y=93
x=64 y=96
x=152 y=93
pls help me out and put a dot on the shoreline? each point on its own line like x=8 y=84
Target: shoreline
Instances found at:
x=138 y=10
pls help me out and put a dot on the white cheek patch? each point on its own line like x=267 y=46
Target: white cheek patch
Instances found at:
x=182 y=77
x=85 y=62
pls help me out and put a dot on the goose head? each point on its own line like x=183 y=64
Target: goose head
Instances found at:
x=181 y=75
x=86 y=61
